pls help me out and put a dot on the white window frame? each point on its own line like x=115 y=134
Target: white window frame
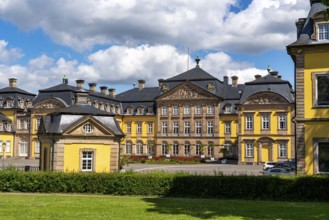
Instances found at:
x=187 y=149
x=249 y=122
x=198 y=149
x=164 y=128
x=164 y=149
x=198 y=110
x=175 y=110
x=128 y=128
x=227 y=127
x=323 y=33
x=88 y=128
x=249 y=150
x=139 y=128
x=282 y=122
x=283 y=150
x=187 y=110
x=266 y=122
x=198 y=127
x=210 y=128
x=228 y=109
x=8 y=146
x=88 y=158
x=175 y=130
x=37 y=123
x=23 y=148
x=37 y=145
x=150 y=128
x=139 y=148
x=164 y=110
x=210 y=110
x=175 y=147
x=129 y=148
x=186 y=128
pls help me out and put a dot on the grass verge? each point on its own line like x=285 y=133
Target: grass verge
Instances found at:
x=67 y=206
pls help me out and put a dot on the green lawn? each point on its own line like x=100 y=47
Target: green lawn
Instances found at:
x=59 y=206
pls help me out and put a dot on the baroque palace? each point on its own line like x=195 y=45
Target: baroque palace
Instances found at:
x=193 y=114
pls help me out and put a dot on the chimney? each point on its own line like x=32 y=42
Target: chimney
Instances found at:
x=92 y=87
x=141 y=84
x=300 y=24
x=160 y=82
x=103 y=89
x=258 y=76
x=234 y=81
x=80 y=83
x=112 y=92
x=12 y=82
x=81 y=98
x=274 y=73
x=65 y=80
x=226 y=80
x=279 y=76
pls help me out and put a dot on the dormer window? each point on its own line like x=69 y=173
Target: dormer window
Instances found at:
x=211 y=87
x=140 y=111
x=88 y=128
x=150 y=110
x=129 y=111
x=228 y=109
x=323 y=31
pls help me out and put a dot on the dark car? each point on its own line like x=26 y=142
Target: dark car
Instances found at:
x=277 y=171
x=284 y=165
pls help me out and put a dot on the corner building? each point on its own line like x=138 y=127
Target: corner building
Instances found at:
x=310 y=53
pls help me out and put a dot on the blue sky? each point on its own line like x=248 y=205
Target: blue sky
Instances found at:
x=116 y=42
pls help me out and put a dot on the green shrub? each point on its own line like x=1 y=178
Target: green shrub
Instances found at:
x=301 y=188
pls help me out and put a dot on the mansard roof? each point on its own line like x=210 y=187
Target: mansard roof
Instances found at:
x=139 y=95
x=196 y=73
x=304 y=34
x=4 y=118
x=15 y=90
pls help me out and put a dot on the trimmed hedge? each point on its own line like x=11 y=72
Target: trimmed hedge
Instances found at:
x=301 y=188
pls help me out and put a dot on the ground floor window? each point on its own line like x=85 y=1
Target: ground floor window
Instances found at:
x=128 y=148
x=175 y=148
x=282 y=150
x=87 y=161
x=197 y=149
x=210 y=151
x=165 y=149
x=249 y=149
x=187 y=149
x=323 y=157
x=139 y=148
x=37 y=147
x=150 y=148
x=23 y=148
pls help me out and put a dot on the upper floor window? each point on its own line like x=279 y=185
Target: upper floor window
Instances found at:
x=282 y=122
x=210 y=110
x=175 y=128
x=322 y=89
x=265 y=122
x=22 y=123
x=164 y=128
x=175 y=110
x=140 y=111
x=164 y=110
x=323 y=31
x=128 y=128
x=198 y=110
x=187 y=110
x=227 y=129
x=198 y=127
x=210 y=128
x=150 y=110
x=129 y=111
x=150 y=128
x=139 y=128
x=249 y=122
x=186 y=128
x=37 y=123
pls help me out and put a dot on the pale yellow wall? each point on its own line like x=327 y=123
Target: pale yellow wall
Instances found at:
x=72 y=157
x=316 y=62
x=4 y=137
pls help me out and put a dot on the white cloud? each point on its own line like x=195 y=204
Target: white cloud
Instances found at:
x=9 y=55
x=206 y=24
x=122 y=65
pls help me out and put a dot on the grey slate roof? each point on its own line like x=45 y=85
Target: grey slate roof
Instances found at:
x=15 y=94
x=83 y=109
x=268 y=83
x=139 y=95
x=193 y=74
x=4 y=118
x=305 y=36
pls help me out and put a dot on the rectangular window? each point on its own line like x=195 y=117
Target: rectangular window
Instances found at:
x=164 y=110
x=198 y=127
x=265 y=122
x=227 y=128
x=150 y=148
x=187 y=149
x=139 y=148
x=282 y=150
x=198 y=110
x=164 y=149
x=210 y=128
x=175 y=110
x=22 y=123
x=210 y=110
x=228 y=109
x=139 y=128
x=164 y=128
x=150 y=128
x=249 y=122
x=28 y=123
x=37 y=123
x=197 y=149
x=187 y=110
x=282 y=122
x=210 y=150
x=175 y=128
x=249 y=150
x=37 y=147
x=323 y=157
x=8 y=147
x=128 y=129
x=323 y=31
x=140 y=111
x=128 y=148
x=186 y=128
x=323 y=89
x=87 y=161
x=175 y=149
x=23 y=148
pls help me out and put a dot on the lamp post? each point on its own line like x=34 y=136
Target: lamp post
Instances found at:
x=3 y=154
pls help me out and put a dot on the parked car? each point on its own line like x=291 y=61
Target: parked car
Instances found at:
x=285 y=165
x=276 y=171
x=268 y=165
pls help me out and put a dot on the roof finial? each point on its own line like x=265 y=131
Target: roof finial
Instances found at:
x=197 y=60
x=269 y=68
x=65 y=80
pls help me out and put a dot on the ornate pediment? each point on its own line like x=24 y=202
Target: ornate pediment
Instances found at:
x=49 y=104
x=185 y=92
x=266 y=98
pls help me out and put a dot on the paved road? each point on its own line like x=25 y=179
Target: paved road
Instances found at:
x=201 y=169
